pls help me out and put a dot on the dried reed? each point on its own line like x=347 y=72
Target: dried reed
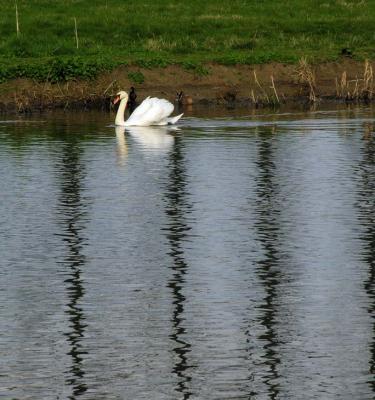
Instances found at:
x=358 y=89
x=307 y=77
x=76 y=31
x=274 y=89
x=368 y=82
x=17 y=22
x=264 y=98
x=264 y=93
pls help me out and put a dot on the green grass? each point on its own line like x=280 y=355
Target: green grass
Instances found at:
x=136 y=77
x=158 y=32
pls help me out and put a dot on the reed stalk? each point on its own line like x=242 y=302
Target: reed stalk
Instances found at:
x=358 y=89
x=307 y=77
x=274 y=89
x=255 y=101
x=344 y=85
x=76 y=32
x=261 y=88
x=17 y=21
x=108 y=87
x=368 y=81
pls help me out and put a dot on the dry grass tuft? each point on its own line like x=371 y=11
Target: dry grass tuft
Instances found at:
x=261 y=97
x=306 y=76
x=160 y=44
x=368 y=82
x=359 y=89
x=221 y=17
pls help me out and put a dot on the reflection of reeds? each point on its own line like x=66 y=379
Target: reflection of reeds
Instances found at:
x=359 y=89
x=368 y=131
x=22 y=103
x=306 y=76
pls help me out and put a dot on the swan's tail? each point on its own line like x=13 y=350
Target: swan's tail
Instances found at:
x=173 y=120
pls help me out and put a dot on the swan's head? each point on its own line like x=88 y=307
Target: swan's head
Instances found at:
x=119 y=96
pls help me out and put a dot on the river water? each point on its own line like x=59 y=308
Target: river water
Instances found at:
x=230 y=258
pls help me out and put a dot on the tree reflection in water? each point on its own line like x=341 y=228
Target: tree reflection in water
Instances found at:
x=71 y=213
x=176 y=231
x=267 y=269
x=367 y=217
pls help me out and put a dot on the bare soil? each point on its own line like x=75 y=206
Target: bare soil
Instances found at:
x=223 y=84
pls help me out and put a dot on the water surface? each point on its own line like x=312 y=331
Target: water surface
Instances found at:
x=230 y=258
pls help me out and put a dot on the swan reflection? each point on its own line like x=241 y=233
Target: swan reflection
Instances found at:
x=152 y=137
x=122 y=149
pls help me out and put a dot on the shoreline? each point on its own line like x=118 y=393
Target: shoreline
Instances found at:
x=264 y=85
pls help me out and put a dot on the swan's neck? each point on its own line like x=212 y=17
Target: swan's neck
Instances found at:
x=121 y=112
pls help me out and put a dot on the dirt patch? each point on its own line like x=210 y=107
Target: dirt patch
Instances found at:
x=253 y=85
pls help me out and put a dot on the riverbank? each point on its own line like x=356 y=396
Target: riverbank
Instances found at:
x=76 y=54
x=253 y=85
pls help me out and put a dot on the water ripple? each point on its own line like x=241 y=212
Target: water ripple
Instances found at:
x=231 y=258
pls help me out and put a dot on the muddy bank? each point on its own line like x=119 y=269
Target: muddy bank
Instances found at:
x=259 y=85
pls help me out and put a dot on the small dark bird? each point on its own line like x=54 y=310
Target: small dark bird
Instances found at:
x=346 y=52
x=230 y=96
x=179 y=97
x=183 y=99
x=132 y=104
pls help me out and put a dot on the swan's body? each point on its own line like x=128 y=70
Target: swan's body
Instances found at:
x=152 y=111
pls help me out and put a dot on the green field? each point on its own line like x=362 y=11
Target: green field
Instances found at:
x=157 y=32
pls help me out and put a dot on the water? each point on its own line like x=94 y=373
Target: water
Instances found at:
x=233 y=258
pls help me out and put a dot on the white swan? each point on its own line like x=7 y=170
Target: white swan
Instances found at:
x=152 y=111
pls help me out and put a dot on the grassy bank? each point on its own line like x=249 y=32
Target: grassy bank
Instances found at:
x=161 y=32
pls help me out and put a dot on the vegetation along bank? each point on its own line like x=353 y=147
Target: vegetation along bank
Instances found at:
x=79 y=52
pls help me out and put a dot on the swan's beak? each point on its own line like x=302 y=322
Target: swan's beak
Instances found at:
x=116 y=100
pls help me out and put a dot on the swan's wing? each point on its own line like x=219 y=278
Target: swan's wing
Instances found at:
x=161 y=110
x=152 y=111
x=140 y=110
